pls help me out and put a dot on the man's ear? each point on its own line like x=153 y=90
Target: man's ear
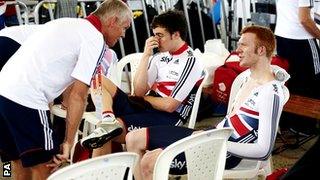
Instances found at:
x=111 y=21
x=262 y=50
x=176 y=35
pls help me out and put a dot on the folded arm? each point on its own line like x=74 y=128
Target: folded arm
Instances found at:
x=166 y=104
x=270 y=108
x=308 y=23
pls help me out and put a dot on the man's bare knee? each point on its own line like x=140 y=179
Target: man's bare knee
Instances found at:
x=109 y=86
x=148 y=161
x=135 y=140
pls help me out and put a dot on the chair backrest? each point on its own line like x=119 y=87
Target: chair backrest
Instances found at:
x=83 y=5
x=195 y=107
x=22 y=11
x=51 y=8
x=132 y=59
x=205 y=155
x=109 y=167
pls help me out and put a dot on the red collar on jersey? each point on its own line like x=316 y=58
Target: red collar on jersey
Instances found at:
x=95 y=21
x=180 y=50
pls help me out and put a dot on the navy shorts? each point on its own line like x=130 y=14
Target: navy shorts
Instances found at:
x=25 y=134
x=134 y=118
x=7 y=48
x=163 y=136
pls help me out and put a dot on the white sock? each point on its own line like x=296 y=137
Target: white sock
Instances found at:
x=108 y=117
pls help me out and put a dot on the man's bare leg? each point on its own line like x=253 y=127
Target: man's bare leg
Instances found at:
x=105 y=149
x=109 y=87
x=108 y=127
x=40 y=171
x=19 y=172
x=147 y=163
x=135 y=142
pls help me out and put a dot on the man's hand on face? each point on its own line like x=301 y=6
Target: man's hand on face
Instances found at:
x=151 y=43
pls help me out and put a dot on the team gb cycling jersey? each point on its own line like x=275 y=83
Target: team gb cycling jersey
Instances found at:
x=176 y=75
x=257 y=116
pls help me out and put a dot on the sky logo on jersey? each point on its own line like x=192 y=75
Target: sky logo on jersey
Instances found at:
x=166 y=59
x=178 y=164
x=132 y=128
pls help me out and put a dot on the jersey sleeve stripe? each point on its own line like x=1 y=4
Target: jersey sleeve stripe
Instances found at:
x=96 y=70
x=274 y=120
x=186 y=72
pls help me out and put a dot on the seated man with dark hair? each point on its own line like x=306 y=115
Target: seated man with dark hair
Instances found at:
x=165 y=85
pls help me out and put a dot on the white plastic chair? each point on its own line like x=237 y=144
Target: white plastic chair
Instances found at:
x=83 y=5
x=57 y=110
x=248 y=169
x=205 y=155
x=3 y=8
x=195 y=107
x=22 y=11
x=107 y=167
x=132 y=59
x=51 y=8
x=211 y=61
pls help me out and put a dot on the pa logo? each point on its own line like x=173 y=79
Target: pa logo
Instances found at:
x=6 y=169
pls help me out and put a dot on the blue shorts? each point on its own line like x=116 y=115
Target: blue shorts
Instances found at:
x=134 y=118
x=26 y=134
x=163 y=136
x=2 y=23
x=7 y=48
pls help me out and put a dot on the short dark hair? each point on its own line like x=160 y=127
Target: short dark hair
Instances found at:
x=172 y=21
x=264 y=35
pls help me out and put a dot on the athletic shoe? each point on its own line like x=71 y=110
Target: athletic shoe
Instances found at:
x=104 y=133
x=299 y=133
x=277 y=174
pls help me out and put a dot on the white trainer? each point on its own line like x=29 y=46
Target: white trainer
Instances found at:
x=102 y=134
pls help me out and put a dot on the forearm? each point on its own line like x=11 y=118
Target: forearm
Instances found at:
x=140 y=82
x=248 y=150
x=269 y=114
x=166 y=104
x=308 y=23
x=311 y=27
x=75 y=109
